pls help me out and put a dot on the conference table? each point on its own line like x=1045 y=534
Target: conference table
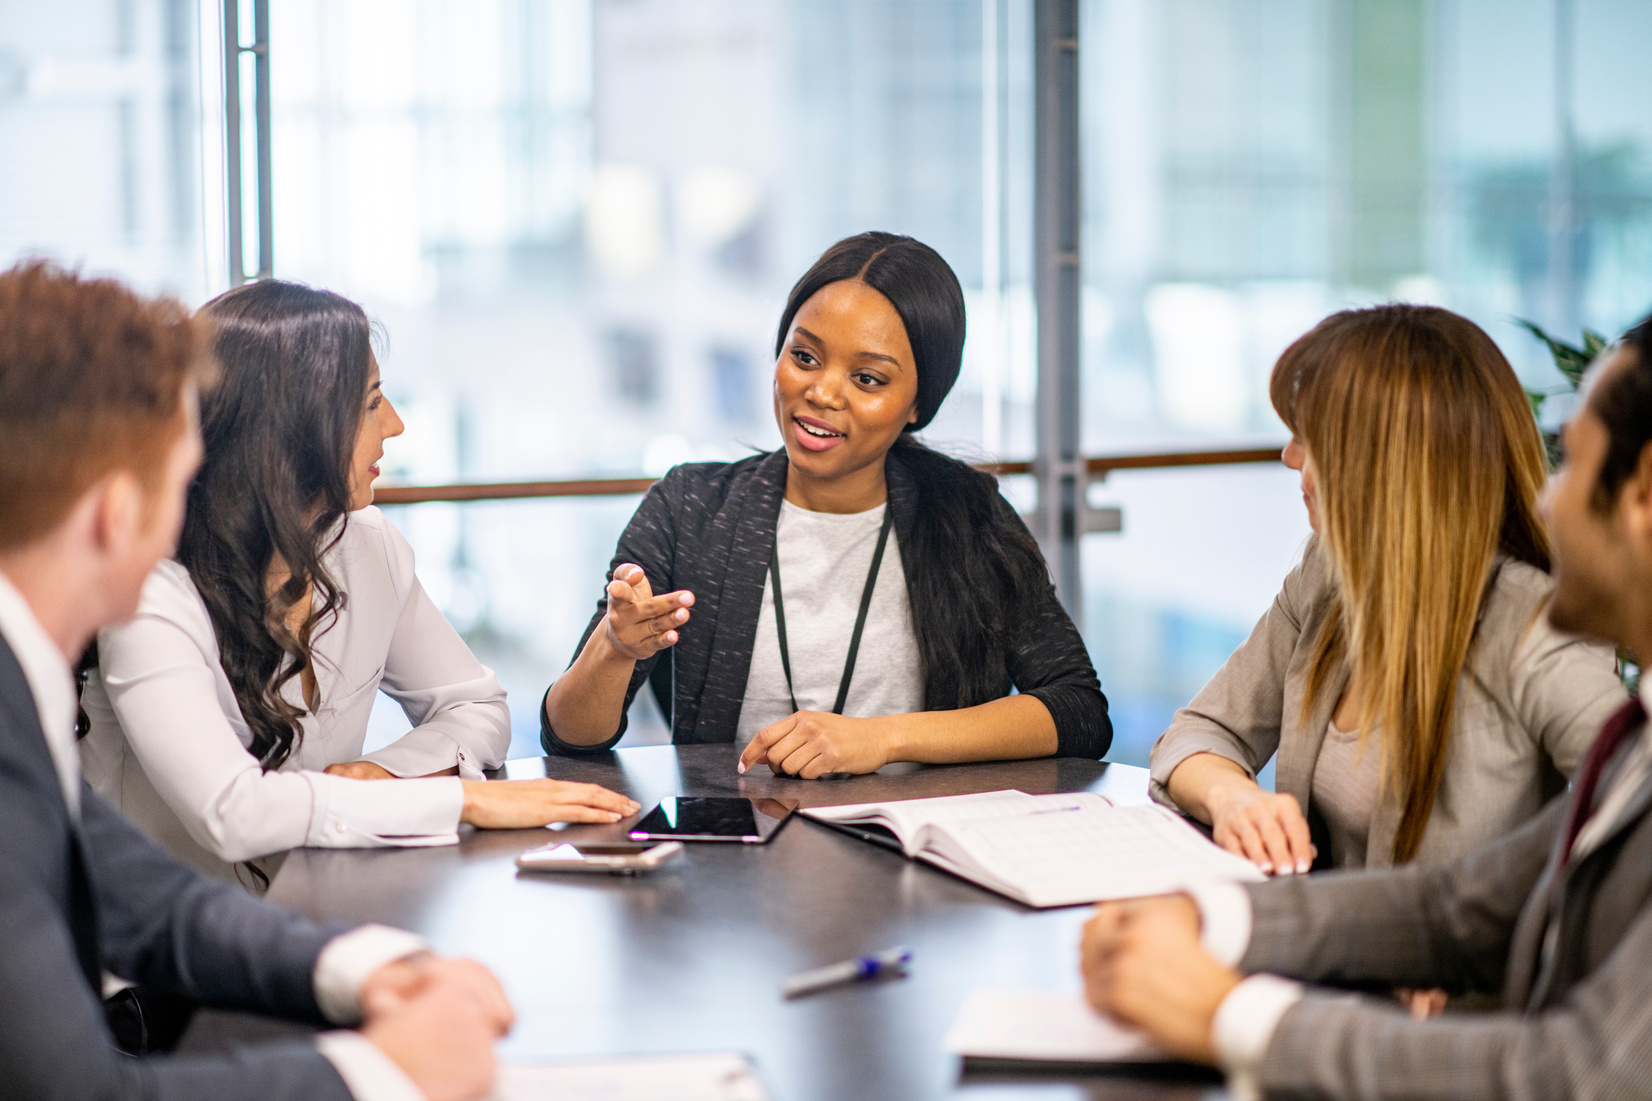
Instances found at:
x=690 y=958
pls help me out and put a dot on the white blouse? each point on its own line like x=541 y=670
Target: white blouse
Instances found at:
x=168 y=744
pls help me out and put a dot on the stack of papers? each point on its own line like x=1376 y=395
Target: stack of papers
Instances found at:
x=1049 y=850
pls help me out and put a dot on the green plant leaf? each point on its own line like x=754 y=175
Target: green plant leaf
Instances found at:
x=1571 y=361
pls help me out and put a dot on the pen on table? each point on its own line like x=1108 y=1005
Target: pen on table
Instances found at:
x=892 y=961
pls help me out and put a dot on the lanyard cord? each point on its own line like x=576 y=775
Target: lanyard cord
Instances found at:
x=860 y=620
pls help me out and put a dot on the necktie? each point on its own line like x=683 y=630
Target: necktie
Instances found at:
x=1627 y=718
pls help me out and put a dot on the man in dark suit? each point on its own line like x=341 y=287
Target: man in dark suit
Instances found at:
x=1556 y=918
x=97 y=419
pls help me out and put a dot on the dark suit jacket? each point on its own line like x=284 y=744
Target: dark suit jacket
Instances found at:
x=78 y=900
x=709 y=528
x=1577 y=1021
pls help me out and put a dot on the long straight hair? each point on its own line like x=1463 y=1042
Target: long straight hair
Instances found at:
x=971 y=561
x=1428 y=463
x=278 y=434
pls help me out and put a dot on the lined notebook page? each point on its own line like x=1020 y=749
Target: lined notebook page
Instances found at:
x=906 y=817
x=1060 y=858
x=909 y=816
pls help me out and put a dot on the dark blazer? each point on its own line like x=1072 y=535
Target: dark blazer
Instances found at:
x=1575 y=1021
x=78 y=900
x=709 y=528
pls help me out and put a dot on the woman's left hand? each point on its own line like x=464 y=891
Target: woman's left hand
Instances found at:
x=359 y=770
x=810 y=744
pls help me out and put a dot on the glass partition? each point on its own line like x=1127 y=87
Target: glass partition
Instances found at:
x=576 y=220
x=110 y=141
x=1252 y=165
x=519 y=580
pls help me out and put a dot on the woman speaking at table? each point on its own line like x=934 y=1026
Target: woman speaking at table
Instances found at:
x=1417 y=698
x=853 y=598
x=226 y=719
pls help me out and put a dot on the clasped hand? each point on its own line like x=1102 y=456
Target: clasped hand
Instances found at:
x=809 y=744
x=437 y=1018
x=1144 y=966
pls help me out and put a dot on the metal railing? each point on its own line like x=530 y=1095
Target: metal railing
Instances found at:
x=1098 y=467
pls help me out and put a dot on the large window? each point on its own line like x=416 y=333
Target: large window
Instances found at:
x=576 y=221
x=109 y=156
x=1251 y=165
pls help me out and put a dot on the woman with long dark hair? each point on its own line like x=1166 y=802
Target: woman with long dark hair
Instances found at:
x=227 y=720
x=856 y=598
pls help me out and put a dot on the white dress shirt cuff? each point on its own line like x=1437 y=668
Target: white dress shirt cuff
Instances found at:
x=369 y=1074
x=371 y=814
x=1224 y=912
x=431 y=748
x=1244 y=1026
x=348 y=959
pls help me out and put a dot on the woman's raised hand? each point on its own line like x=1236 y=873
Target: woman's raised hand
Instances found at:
x=640 y=624
x=1265 y=828
x=810 y=744
x=529 y=804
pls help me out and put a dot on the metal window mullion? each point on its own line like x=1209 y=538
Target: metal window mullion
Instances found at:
x=234 y=127
x=1059 y=466
x=232 y=138
x=261 y=107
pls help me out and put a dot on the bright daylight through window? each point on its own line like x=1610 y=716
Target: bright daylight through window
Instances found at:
x=576 y=221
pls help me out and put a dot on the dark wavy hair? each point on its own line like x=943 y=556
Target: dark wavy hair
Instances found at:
x=278 y=434
x=970 y=558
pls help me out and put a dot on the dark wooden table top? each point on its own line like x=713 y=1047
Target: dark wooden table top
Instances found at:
x=690 y=958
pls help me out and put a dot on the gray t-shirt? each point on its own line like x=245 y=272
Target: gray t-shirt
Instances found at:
x=824 y=559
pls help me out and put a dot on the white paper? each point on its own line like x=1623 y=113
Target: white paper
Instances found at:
x=1043 y=1026
x=907 y=816
x=1090 y=854
x=710 y=1077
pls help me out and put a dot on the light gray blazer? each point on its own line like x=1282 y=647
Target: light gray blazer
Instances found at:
x=1529 y=702
x=1576 y=1020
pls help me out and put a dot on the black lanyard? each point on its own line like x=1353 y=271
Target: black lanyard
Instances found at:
x=860 y=620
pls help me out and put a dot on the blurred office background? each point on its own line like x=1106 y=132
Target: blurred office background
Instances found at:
x=576 y=221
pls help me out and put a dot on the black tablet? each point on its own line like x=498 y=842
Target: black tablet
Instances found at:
x=713 y=818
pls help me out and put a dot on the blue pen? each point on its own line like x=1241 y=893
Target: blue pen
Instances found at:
x=893 y=961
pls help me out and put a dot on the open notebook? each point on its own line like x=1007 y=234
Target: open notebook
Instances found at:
x=1046 y=850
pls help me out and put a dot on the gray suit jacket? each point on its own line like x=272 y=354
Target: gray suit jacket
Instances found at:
x=78 y=899
x=1529 y=702
x=1569 y=949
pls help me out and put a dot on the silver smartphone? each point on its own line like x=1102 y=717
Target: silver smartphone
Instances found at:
x=607 y=857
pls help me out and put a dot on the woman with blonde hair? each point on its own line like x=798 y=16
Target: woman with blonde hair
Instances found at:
x=1417 y=698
